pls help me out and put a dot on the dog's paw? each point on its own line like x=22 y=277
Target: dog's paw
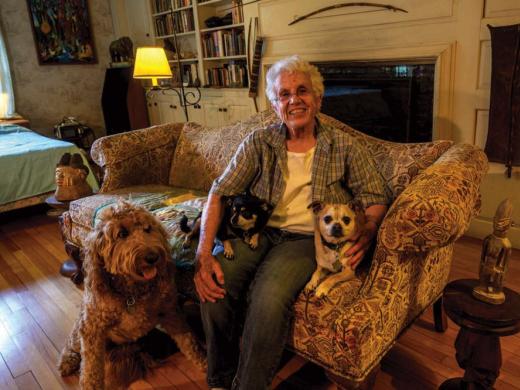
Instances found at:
x=253 y=241
x=322 y=290
x=228 y=250
x=69 y=363
x=312 y=284
x=230 y=255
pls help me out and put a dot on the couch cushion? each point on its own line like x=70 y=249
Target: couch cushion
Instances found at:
x=203 y=153
x=83 y=212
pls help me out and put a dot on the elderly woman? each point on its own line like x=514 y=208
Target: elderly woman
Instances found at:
x=289 y=166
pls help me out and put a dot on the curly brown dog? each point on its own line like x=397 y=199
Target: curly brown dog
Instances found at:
x=129 y=290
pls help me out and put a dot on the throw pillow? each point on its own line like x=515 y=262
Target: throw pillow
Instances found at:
x=203 y=153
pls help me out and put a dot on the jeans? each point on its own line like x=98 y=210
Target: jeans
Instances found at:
x=261 y=286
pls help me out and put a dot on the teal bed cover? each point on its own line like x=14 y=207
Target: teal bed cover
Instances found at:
x=28 y=162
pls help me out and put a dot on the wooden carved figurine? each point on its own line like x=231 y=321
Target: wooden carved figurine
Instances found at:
x=71 y=178
x=496 y=251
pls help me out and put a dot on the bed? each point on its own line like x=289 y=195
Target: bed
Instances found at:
x=27 y=166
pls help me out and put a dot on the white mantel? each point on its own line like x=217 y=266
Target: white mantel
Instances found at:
x=452 y=32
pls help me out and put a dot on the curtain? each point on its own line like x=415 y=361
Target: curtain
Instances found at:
x=6 y=85
x=503 y=140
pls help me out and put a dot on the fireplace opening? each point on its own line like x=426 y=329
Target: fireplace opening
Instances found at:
x=390 y=101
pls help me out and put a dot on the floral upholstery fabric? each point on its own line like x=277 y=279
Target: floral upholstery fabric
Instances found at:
x=136 y=157
x=435 y=188
x=209 y=150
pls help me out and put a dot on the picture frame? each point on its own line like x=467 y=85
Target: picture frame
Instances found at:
x=62 y=32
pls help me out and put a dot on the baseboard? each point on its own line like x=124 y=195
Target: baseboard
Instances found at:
x=482 y=227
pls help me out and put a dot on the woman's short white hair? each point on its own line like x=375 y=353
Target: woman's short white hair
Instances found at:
x=292 y=64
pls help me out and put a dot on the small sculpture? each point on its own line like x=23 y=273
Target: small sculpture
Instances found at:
x=121 y=50
x=496 y=251
x=71 y=178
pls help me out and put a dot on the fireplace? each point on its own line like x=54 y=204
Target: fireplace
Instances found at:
x=391 y=101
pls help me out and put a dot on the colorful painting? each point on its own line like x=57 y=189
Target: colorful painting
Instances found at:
x=62 y=32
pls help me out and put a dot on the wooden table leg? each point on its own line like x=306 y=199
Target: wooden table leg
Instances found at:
x=481 y=358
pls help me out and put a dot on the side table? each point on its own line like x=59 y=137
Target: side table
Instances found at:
x=68 y=268
x=481 y=326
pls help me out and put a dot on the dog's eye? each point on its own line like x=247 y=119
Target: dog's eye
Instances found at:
x=123 y=233
x=147 y=229
x=346 y=220
x=327 y=219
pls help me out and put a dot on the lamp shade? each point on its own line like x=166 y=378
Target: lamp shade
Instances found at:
x=151 y=63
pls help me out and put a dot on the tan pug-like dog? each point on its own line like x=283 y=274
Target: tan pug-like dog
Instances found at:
x=338 y=226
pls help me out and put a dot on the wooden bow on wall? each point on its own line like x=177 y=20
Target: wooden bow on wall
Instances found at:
x=344 y=5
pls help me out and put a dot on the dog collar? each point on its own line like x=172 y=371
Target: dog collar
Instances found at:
x=334 y=247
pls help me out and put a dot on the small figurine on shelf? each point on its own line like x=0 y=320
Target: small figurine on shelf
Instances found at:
x=121 y=52
x=496 y=251
x=71 y=178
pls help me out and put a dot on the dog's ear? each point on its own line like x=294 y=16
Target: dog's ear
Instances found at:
x=316 y=206
x=267 y=207
x=356 y=205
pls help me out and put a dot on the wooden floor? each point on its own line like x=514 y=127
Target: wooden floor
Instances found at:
x=38 y=307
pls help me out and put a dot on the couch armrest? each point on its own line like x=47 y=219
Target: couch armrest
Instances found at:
x=413 y=255
x=137 y=157
x=436 y=208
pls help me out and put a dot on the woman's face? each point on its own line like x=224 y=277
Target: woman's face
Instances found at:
x=296 y=104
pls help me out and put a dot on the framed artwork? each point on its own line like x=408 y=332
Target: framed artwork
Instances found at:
x=62 y=32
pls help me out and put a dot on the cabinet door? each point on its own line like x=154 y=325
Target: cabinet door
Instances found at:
x=171 y=111
x=153 y=112
x=133 y=19
x=196 y=114
x=214 y=115
x=237 y=112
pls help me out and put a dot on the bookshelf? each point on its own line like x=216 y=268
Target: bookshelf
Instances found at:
x=211 y=41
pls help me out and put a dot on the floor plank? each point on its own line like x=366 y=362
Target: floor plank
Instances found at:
x=38 y=307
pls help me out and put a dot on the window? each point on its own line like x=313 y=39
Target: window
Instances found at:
x=6 y=85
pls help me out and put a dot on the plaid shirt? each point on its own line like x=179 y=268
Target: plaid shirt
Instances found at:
x=341 y=169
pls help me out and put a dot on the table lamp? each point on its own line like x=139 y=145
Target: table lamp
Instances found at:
x=151 y=63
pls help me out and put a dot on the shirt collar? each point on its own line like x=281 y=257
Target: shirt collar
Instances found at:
x=276 y=137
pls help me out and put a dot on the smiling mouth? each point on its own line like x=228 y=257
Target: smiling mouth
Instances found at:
x=297 y=111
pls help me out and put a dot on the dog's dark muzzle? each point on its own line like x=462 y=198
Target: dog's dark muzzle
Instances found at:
x=151 y=258
x=337 y=230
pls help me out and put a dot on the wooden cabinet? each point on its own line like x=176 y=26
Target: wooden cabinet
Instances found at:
x=217 y=107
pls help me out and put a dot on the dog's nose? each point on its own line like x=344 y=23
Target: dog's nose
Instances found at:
x=337 y=230
x=151 y=258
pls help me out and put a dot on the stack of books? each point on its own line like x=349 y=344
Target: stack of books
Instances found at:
x=223 y=43
x=231 y=75
x=181 y=21
x=237 y=12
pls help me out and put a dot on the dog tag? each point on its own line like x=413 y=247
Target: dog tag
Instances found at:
x=130 y=302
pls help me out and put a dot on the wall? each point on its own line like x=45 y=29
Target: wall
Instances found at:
x=452 y=32
x=45 y=94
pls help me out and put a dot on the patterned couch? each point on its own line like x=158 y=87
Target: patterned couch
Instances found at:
x=435 y=192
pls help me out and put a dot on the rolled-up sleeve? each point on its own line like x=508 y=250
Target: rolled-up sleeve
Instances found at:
x=363 y=179
x=240 y=172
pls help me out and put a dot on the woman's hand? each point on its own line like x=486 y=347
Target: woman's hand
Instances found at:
x=207 y=289
x=360 y=248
